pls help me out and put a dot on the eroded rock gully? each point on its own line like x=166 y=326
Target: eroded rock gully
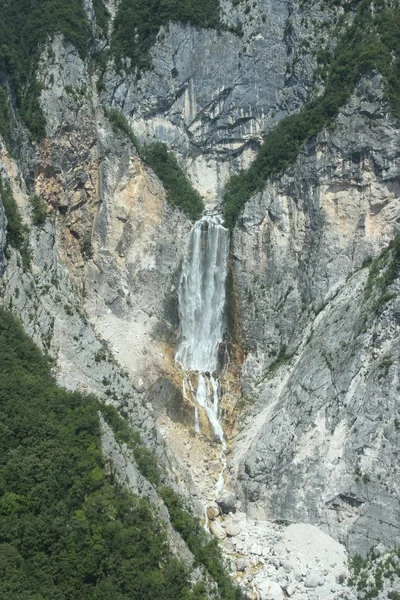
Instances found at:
x=311 y=416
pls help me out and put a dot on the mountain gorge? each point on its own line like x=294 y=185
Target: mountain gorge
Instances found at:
x=128 y=129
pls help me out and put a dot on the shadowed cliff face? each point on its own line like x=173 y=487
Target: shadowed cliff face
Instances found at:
x=318 y=443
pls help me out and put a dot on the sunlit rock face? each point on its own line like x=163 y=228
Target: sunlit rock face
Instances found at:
x=320 y=444
x=319 y=418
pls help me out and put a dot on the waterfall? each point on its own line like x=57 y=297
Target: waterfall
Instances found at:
x=202 y=296
x=202 y=302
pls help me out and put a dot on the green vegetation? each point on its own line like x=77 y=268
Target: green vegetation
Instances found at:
x=280 y=360
x=138 y=22
x=102 y=15
x=65 y=531
x=25 y=26
x=120 y=122
x=180 y=192
x=145 y=460
x=17 y=234
x=368 y=574
x=371 y=42
x=382 y=272
x=5 y=117
x=204 y=549
x=39 y=212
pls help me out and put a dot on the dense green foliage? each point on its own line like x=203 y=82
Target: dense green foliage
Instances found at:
x=180 y=192
x=25 y=26
x=17 y=234
x=65 y=531
x=102 y=15
x=204 y=549
x=371 y=42
x=39 y=212
x=369 y=574
x=138 y=22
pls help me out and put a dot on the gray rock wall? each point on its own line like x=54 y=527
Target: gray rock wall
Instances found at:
x=319 y=441
x=320 y=445
x=212 y=95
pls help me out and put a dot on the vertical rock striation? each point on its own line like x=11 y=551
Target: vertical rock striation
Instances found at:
x=320 y=445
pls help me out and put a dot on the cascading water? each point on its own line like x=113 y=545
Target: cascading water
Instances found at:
x=202 y=302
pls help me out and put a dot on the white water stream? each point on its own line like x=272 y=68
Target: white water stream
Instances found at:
x=202 y=303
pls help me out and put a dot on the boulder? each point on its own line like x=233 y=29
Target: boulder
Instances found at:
x=213 y=511
x=232 y=529
x=324 y=592
x=217 y=530
x=214 y=466
x=241 y=564
x=312 y=579
x=290 y=589
x=227 y=502
x=256 y=549
x=270 y=590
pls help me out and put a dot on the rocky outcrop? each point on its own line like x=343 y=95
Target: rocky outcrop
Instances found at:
x=3 y=239
x=48 y=303
x=320 y=444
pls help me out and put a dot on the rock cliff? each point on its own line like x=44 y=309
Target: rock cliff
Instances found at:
x=321 y=367
x=315 y=434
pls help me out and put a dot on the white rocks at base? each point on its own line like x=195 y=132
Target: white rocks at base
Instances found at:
x=302 y=562
x=213 y=511
x=256 y=549
x=217 y=530
x=232 y=529
x=311 y=553
x=290 y=589
x=270 y=590
x=323 y=592
x=227 y=502
x=312 y=579
x=241 y=564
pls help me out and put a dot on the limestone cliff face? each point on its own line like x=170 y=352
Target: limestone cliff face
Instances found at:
x=212 y=95
x=318 y=443
x=114 y=230
x=321 y=442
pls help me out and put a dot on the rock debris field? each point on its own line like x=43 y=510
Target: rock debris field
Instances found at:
x=273 y=561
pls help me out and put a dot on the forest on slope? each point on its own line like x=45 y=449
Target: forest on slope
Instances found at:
x=67 y=529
